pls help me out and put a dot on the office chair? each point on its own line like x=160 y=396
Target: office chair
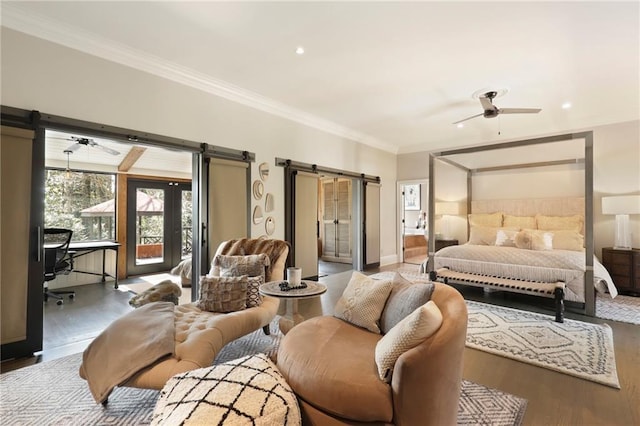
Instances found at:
x=58 y=260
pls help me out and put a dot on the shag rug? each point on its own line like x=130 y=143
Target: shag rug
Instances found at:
x=573 y=347
x=52 y=393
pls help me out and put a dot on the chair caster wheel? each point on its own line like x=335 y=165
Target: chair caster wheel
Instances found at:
x=59 y=302
x=71 y=296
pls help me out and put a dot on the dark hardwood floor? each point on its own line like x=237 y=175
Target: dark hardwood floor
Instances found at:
x=553 y=398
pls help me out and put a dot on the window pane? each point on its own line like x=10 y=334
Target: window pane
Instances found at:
x=81 y=201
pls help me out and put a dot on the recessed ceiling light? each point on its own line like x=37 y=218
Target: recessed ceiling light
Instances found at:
x=300 y=50
x=566 y=105
x=460 y=125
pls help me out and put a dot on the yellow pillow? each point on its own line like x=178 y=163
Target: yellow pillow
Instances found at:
x=568 y=240
x=407 y=334
x=520 y=222
x=493 y=220
x=532 y=239
x=482 y=236
x=558 y=223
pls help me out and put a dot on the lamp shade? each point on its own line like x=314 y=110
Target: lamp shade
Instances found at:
x=447 y=208
x=623 y=204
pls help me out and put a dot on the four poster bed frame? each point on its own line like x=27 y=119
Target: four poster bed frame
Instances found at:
x=555 y=290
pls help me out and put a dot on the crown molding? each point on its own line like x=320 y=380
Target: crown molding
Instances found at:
x=92 y=44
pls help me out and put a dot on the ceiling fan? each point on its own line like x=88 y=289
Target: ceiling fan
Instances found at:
x=491 y=111
x=79 y=142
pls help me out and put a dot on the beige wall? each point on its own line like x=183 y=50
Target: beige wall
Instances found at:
x=51 y=78
x=616 y=172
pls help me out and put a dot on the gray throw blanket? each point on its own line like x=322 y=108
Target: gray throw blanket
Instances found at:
x=129 y=344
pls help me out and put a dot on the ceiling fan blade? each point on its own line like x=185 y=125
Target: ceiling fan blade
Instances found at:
x=469 y=118
x=486 y=103
x=106 y=149
x=520 y=110
x=73 y=148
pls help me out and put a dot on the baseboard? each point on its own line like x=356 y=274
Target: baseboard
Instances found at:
x=389 y=260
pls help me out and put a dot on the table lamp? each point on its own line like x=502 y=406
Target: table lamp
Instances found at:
x=622 y=206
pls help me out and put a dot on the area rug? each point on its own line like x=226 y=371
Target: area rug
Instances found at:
x=573 y=347
x=52 y=393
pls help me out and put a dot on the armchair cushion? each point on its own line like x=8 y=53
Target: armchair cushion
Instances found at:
x=407 y=334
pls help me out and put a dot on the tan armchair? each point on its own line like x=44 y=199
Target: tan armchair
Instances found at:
x=330 y=365
x=200 y=335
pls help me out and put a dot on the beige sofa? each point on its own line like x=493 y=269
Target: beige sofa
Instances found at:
x=200 y=335
x=330 y=365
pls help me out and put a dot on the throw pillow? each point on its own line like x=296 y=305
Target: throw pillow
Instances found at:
x=492 y=220
x=534 y=240
x=482 y=236
x=568 y=240
x=252 y=265
x=519 y=222
x=405 y=297
x=560 y=223
x=407 y=334
x=506 y=238
x=254 y=298
x=362 y=302
x=247 y=390
x=223 y=294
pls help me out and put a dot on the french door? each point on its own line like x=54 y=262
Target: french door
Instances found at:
x=159 y=215
x=336 y=220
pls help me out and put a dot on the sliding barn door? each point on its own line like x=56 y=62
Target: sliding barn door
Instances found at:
x=371 y=225
x=228 y=202
x=305 y=241
x=21 y=221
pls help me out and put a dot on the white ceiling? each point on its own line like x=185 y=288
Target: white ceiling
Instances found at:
x=390 y=74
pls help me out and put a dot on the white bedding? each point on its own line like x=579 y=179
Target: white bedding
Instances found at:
x=531 y=265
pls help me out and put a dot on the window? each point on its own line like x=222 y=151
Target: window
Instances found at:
x=81 y=201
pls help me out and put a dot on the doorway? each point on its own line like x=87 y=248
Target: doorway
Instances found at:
x=335 y=239
x=159 y=225
x=414 y=207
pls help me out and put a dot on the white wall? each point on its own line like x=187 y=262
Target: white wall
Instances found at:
x=616 y=171
x=43 y=76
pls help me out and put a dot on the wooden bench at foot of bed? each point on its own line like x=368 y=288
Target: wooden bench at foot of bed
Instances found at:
x=549 y=290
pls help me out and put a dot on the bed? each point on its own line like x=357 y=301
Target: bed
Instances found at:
x=539 y=254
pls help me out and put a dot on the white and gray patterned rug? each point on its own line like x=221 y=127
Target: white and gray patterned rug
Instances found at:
x=53 y=393
x=574 y=347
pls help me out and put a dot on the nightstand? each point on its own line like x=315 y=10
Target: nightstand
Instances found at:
x=624 y=267
x=445 y=243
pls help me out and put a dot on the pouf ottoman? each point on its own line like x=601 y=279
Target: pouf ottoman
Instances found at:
x=244 y=391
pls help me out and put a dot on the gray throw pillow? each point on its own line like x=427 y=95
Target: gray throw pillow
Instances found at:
x=405 y=298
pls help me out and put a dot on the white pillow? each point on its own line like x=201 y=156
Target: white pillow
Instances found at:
x=362 y=301
x=506 y=238
x=407 y=334
x=532 y=239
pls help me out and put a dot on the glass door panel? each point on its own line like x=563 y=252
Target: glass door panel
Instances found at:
x=150 y=224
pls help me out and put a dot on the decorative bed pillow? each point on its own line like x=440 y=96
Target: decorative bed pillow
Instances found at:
x=405 y=297
x=482 y=236
x=492 y=220
x=362 y=301
x=247 y=390
x=506 y=237
x=568 y=240
x=520 y=222
x=223 y=294
x=560 y=223
x=252 y=265
x=408 y=333
x=531 y=239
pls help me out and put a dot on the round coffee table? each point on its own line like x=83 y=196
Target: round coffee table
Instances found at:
x=292 y=316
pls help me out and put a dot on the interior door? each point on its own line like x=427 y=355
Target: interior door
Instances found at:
x=158 y=225
x=21 y=256
x=371 y=225
x=306 y=224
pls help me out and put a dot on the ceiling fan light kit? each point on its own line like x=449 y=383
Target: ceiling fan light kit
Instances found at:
x=490 y=110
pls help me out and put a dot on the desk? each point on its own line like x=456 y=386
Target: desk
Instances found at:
x=82 y=248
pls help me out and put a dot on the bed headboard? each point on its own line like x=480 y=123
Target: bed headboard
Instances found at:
x=566 y=206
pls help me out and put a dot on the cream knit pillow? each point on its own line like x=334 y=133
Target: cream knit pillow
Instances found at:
x=362 y=301
x=407 y=334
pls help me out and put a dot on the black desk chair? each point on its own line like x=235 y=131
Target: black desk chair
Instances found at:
x=58 y=260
